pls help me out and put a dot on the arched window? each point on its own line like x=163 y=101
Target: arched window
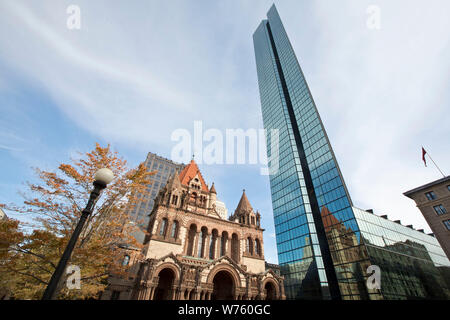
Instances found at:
x=257 y=247
x=235 y=247
x=163 y=228
x=249 y=245
x=126 y=260
x=174 y=232
x=253 y=220
x=191 y=237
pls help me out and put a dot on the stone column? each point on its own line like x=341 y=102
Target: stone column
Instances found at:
x=152 y=293
x=173 y=295
x=247 y=287
x=207 y=244
x=169 y=228
x=261 y=245
x=186 y=239
x=195 y=245
x=228 y=246
x=143 y=293
x=139 y=293
x=218 y=246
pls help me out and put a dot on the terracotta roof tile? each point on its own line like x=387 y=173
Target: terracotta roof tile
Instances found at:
x=189 y=172
x=244 y=205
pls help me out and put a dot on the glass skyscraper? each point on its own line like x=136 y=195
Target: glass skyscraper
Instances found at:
x=321 y=251
x=164 y=168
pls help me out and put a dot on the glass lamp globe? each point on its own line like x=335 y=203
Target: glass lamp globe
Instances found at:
x=104 y=176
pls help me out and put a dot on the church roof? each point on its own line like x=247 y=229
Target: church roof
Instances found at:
x=213 y=190
x=174 y=181
x=244 y=205
x=189 y=172
x=330 y=221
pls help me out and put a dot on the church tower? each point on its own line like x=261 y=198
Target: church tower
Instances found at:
x=192 y=251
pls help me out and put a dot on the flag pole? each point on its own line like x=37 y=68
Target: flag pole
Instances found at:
x=435 y=164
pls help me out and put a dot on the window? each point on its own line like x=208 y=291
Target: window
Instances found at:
x=191 y=237
x=249 y=245
x=174 y=232
x=447 y=224
x=439 y=209
x=162 y=230
x=448 y=187
x=257 y=247
x=430 y=195
x=126 y=260
x=201 y=242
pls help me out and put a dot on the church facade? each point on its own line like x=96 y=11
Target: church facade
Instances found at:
x=193 y=252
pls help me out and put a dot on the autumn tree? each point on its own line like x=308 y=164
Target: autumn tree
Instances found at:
x=29 y=257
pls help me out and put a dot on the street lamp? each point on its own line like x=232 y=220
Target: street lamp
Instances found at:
x=101 y=178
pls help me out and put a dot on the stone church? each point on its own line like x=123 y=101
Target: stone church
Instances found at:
x=193 y=252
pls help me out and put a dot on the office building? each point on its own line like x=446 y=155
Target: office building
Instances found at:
x=433 y=200
x=164 y=168
x=322 y=249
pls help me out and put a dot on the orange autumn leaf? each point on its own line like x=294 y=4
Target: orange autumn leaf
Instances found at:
x=55 y=203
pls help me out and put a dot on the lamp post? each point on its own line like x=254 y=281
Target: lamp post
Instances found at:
x=101 y=178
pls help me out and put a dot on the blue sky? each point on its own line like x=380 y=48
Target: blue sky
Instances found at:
x=138 y=70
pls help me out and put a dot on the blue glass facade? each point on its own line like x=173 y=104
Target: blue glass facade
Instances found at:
x=413 y=265
x=320 y=249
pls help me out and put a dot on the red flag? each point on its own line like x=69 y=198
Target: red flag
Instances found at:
x=423 y=156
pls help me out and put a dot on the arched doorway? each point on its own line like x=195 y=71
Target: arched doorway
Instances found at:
x=223 y=286
x=164 y=289
x=270 y=291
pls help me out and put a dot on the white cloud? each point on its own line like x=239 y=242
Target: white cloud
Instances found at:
x=381 y=94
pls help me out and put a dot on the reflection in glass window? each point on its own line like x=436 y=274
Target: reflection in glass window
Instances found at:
x=439 y=209
x=430 y=195
x=447 y=224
